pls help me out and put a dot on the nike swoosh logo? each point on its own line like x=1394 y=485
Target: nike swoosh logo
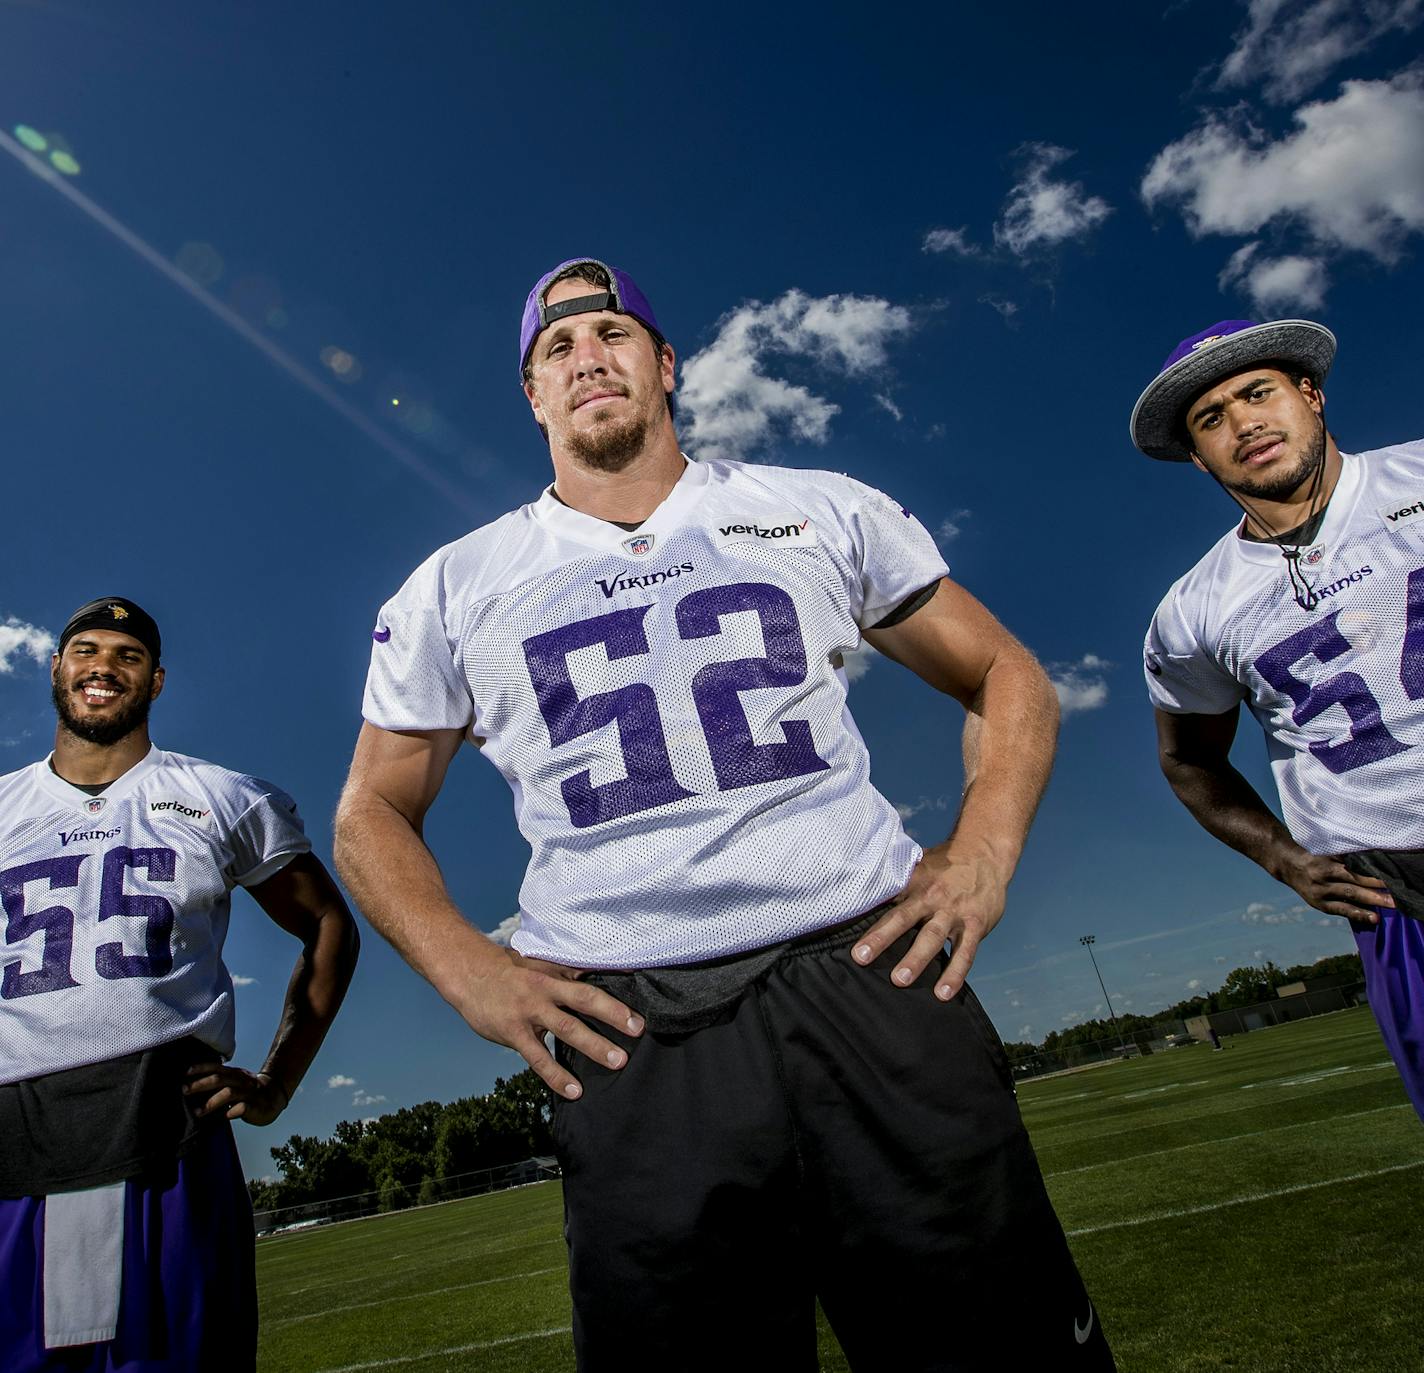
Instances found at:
x=1081 y=1333
x=380 y=635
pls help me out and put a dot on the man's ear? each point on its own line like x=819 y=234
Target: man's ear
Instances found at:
x=668 y=363
x=158 y=676
x=1197 y=462
x=1314 y=396
x=533 y=399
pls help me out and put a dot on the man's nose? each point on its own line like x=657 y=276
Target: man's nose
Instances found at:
x=590 y=356
x=1248 y=421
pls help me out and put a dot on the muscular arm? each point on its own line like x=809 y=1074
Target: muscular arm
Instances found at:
x=384 y=861
x=305 y=902
x=958 y=890
x=1194 y=752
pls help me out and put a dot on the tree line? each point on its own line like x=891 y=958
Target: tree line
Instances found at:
x=403 y=1156
x=1243 y=987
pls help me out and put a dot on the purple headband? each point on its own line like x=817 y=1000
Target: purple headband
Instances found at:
x=1219 y=351
x=625 y=298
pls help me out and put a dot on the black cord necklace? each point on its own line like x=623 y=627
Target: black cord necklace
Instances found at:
x=1302 y=592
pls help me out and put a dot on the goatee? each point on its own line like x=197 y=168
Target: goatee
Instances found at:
x=611 y=445
x=1281 y=486
x=105 y=732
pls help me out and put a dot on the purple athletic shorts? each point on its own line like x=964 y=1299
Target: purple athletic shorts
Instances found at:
x=189 y=1292
x=1393 y=956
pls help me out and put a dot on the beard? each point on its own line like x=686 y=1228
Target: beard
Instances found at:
x=612 y=443
x=1280 y=486
x=107 y=732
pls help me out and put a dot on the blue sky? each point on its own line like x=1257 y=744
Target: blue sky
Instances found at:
x=260 y=348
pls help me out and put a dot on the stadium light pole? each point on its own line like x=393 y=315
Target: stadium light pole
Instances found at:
x=1087 y=941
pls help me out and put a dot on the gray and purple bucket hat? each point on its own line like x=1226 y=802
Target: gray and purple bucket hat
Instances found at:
x=1205 y=358
x=625 y=298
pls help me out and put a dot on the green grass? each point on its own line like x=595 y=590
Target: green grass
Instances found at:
x=1259 y=1209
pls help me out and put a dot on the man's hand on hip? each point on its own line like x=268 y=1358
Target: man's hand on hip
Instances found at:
x=951 y=896
x=1328 y=885
x=514 y=1000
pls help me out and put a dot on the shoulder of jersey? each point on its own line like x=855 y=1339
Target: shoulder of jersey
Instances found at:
x=1396 y=462
x=490 y=558
x=826 y=496
x=229 y=792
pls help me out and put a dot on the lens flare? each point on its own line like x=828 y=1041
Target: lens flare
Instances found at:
x=33 y=139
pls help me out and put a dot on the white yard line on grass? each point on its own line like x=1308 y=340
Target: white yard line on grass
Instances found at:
x=1225 y=1139
x=456 y=1349
x=1250 y=1197
x=412 y=1296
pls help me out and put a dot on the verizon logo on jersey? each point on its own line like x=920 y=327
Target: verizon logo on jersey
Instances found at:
x=186 y=808
x=792 y=531
x=1399 y=515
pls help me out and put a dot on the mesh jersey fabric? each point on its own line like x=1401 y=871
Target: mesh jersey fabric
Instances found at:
x=669 y=707
x=116 y=907
x=1338 y=689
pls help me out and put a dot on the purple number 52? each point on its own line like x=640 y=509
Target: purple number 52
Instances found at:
x=736 y=759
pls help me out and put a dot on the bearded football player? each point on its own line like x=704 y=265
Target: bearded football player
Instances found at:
x=126 y=1237
x=771 y=1082
x=1310 y=612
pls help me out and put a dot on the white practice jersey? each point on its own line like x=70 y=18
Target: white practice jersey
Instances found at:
x=116 y=907
x=669 y=706
x=1339 y=689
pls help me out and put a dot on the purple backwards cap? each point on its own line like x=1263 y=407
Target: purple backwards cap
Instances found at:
x=1202 y=360
x=625 y=298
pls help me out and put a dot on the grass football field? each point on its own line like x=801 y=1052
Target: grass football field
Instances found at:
x=1259 y=1209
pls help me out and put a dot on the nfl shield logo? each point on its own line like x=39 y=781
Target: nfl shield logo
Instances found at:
x=639 y=544
x=95 y=805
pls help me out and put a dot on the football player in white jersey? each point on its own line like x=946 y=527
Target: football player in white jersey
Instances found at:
x=1310 y=612
x=126 y=1235
x=771 y=1081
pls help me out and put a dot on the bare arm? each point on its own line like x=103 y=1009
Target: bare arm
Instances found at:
x=382 y=857
x=305 y=902
x=957 y=892
x=1194 y=751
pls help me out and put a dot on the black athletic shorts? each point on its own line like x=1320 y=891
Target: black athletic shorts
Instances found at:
x=830 y=1136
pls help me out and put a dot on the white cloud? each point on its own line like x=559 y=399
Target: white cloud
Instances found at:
x=238 y=980
x=886 y=403
x=1041 y=212
x=1351 y=174
x=952 y=527
x=1007 y=308
x=1285 y=48
x=1194 y=984
x=1080 y=685
x=951 y=241
x=366 y=1099
x=1276 y=285
x=505 y=930
x=1258 y=913
x=340 y=1080
x=858 y=661
x=20 y=639
x=913 y=808
x=732 y=406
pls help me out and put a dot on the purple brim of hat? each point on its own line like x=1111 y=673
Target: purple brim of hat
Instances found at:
x=1202 y=360
x=627 y=300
